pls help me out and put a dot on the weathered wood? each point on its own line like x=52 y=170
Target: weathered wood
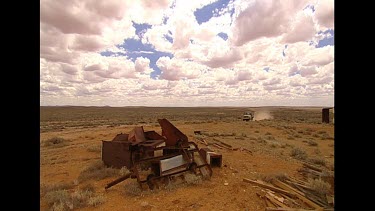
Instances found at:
x=313 y=167
x=287 y=198
x=276 y=202
x=218 y=146
x=309 y=202
x=330 y=199
x=225 y=144
x=317 y=173
x=299 y=185
x=261 y=184
x=269 y=203
x=205 y=142
x=284 y=186
x=293 y=179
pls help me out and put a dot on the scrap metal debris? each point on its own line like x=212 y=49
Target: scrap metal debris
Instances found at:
x=152 y=158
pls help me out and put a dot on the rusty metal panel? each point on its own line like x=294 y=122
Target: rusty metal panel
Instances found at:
x=152 y=135
x=137 y=135
x=116 y=154
x=325 y=115
x=121 y=137
x=172 y=133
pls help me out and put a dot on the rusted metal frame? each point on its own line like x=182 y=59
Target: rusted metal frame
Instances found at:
x=179 y=172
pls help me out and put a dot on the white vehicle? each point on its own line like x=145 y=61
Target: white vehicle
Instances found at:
x=248 y=116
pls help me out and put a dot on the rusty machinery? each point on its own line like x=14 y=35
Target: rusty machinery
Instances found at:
x=153 y=158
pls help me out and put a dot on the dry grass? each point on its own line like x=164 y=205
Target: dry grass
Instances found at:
x=312 y=143
x=319 y=186
x=97 y=171
x=192 y=179
x=95 y=148
x=270 y=177
x=56 y=142
x=62 y=200
x=319 y=161
x=298 y=154
x=55 y=187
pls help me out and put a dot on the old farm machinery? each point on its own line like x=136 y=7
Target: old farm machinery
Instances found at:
x=154 y=159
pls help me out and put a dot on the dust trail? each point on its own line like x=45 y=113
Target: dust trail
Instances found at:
x=263 y=114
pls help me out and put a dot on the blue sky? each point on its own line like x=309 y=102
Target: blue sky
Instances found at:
x=222 y=47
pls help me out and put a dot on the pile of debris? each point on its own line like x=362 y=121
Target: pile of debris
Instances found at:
x=153 y=158
x=292 y=194
x=217 y=143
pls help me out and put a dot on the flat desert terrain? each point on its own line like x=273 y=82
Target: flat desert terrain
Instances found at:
x=277 y=144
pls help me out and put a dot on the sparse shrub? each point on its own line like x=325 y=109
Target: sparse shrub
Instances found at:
x=317 y=151
x=309 y=130
x=257 y=131
x=270 y=177
x=97 y=171
x=96 y=200
x=133 y=189
x=319 y=185
x=252 y=138
x=261 y=140
x=56 y=197
x=312 y=143
x=270 y=137
x=318 y=161
x=315 y=135
x=298 y=154
x=274 y=145
x=192 y=179
x=56 y=142
x=297 y=136
x=300 y=131
x=55 y=187
x=290 y=137
x=95 y=148
x=243 y=135
x=326 y=136
x=268 y=133
x=307 y=133
x=124 y=170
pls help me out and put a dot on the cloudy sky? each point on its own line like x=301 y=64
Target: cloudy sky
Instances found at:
x=187 y=52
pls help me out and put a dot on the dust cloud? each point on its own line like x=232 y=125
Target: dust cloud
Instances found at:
x=261 y=115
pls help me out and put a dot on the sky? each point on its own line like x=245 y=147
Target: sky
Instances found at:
x=187 y=53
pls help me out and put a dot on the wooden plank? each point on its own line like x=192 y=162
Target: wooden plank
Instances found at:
x=225 y=144
x=313 y=167
x=293 y=179
x=287 y=198
x=299 y=185
x=205 y=142
x=309 y=202
x=330 y=199
x=284 y=186
x=218 y=146
x=269 y=203
x=261 y=184
x=276 y=202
